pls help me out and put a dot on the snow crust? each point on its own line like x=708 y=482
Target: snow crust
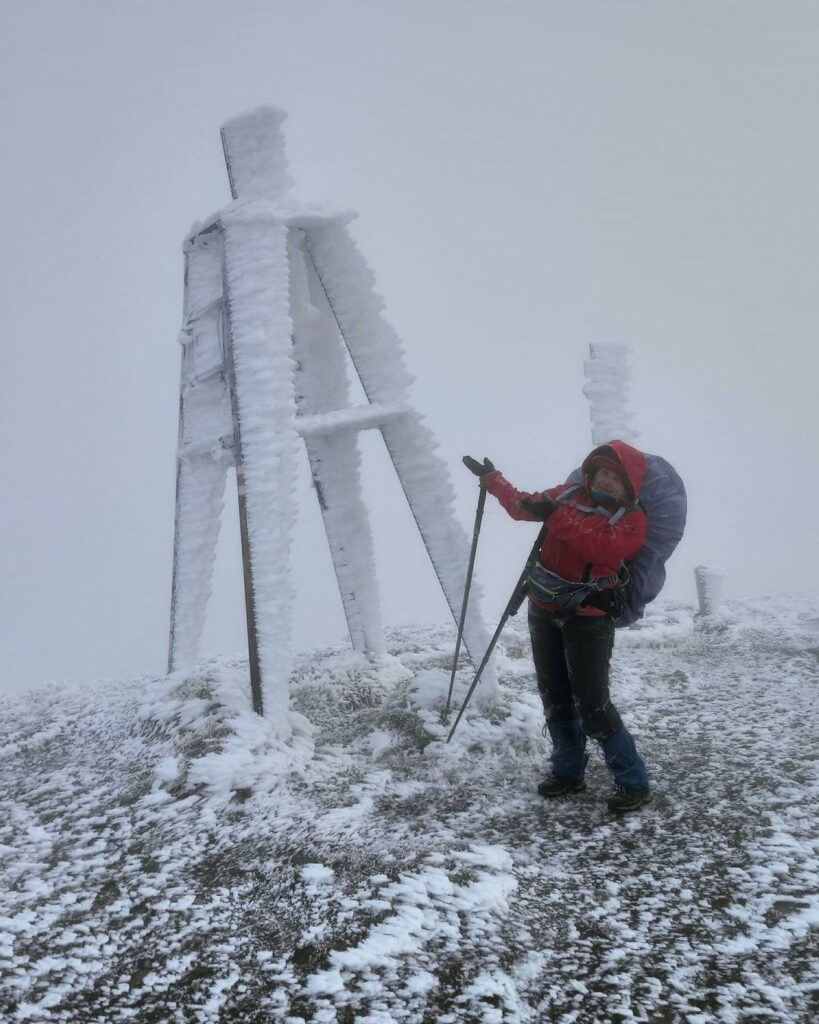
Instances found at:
x=167 y=854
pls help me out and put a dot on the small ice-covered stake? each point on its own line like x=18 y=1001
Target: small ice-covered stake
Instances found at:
x=274 y=292
x=710 y=583
x=607 y=391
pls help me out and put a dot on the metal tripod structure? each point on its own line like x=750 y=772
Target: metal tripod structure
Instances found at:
x=274 y=294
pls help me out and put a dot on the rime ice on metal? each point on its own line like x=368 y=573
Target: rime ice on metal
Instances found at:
x=274 y=291
x=205 y=439
x=378 y=357
x=607 y=391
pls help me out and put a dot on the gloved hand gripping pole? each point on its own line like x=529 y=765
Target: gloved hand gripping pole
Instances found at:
x=475 y=532
x=512 y=608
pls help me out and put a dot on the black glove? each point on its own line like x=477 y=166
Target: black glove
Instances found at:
x=612 y=601
x=542 y=509
x=475 y=467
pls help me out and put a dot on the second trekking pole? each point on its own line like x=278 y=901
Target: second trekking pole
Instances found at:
x=476 y=530
x=512 y=608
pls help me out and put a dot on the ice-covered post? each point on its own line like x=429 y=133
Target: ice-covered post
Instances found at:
x=204 y=447
x=710 y=583
x=348 y=285
x=261 y=369
x=608 y=392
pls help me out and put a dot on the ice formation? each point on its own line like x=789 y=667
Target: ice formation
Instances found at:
x=274 y=292
x=204 y=419
x=662 y=495
x=378 y=357
x=607 y=392
x=257 y=278
x=322 y=396
x=710 y=581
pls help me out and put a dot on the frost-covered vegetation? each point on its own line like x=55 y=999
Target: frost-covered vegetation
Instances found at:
x=165 y=857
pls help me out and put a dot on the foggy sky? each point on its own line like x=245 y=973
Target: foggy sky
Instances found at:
x=530 y=177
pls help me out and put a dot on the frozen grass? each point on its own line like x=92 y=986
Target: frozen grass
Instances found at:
x=166 y=858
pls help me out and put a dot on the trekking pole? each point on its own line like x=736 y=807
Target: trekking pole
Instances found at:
x=476 y=530
x=512 y=608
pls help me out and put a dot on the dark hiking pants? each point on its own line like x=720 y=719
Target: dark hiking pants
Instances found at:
x=572 y=654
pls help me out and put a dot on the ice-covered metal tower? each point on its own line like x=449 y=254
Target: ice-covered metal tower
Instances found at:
x=274 y=293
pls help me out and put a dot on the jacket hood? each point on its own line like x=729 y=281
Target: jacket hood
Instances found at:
x=632 y=461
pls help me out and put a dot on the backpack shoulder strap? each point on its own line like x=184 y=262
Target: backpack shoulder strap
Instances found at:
x=613 y=517
x=570 y=491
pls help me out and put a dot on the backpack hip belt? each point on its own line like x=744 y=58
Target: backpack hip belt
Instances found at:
x=553 y=589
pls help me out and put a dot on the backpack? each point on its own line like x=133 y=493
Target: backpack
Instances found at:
x=664 y=501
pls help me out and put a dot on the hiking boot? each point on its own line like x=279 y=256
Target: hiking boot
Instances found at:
x=555 y=785
x=628 y=799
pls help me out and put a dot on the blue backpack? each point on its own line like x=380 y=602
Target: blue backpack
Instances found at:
x=664 y=501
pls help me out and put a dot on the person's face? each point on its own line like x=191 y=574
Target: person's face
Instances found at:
x=607 y=480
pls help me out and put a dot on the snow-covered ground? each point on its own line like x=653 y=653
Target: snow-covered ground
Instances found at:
x=164 y=858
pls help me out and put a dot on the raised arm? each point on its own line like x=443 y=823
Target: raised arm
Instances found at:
x=509 y=496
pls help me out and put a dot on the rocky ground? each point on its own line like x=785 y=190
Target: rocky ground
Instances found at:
x=166 y=858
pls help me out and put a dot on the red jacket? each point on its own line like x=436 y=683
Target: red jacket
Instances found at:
x=582 y=545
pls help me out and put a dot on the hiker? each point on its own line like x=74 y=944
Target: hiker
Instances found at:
x=575 y=593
